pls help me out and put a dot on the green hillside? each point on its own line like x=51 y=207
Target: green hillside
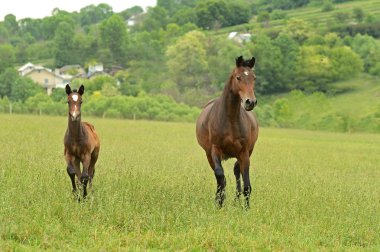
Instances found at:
x=312 y=14
x=354 y=107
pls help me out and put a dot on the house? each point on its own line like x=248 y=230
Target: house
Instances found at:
x=135 y=19
x=240 y=37
x=95 y=70
x=45 y=77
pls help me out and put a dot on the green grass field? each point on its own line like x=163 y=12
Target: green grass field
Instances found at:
x=153 y=190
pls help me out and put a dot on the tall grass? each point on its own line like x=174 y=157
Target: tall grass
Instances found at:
x=153 y=190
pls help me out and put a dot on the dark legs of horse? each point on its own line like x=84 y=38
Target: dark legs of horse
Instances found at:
x=216 y=164
x=247 y=186
x=84 y=180
x=71 y=172
x=238 y=181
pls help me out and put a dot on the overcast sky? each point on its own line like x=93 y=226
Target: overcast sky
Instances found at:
x=42 y=8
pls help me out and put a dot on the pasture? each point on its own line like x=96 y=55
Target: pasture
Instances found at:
x=153 y=190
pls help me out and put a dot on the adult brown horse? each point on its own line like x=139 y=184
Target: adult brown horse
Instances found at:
x=226 y=129
x=81 y=142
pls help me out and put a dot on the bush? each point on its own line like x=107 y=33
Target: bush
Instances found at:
x=327 y=6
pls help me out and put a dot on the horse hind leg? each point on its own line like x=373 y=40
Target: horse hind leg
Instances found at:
x=91 y=168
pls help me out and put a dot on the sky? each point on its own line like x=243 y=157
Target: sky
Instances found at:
x=42 y=8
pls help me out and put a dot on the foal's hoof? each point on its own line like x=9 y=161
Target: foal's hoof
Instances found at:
x=219 y=199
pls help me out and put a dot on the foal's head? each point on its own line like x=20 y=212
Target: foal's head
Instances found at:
x=243 y=82
x=74 y=99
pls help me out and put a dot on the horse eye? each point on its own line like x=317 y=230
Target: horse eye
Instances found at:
x=238 y=77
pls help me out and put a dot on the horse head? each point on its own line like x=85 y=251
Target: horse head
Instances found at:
x=243 y=82
x=74 y=100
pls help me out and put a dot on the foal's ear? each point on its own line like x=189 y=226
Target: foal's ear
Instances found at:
x=239 y=61
x=68 y=89
x=81 y=90
x=251 y=62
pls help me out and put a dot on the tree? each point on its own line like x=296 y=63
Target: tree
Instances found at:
x=185 y=15
x=135 y=10
x=346 y=64
x=211 y=14
x=268 y=66
x=31 y=26
x=23 y=88
x=7 y=78
x=238 y=13
x=50 y=24
x=64 y=45
x=11 y=24
x=368 y=49
x=327 y=6
x=187 y=62
x=7 y=56
x=358 y=14
x=114 y=37
x=298 y=29
x=156 y=18
x=263 y=18
x=289 y=49
x=92 y=14
x=313 y=69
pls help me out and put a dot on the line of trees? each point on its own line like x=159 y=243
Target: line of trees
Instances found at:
x=169 y=51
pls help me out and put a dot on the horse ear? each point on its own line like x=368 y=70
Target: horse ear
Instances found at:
x=68 y=89
x=251 y=62
x=81 y=90
x=239 y=61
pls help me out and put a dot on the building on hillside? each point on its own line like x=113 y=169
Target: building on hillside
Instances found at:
x=95 y=70
x=134 y=19
x=45 y=77
x=240 y=37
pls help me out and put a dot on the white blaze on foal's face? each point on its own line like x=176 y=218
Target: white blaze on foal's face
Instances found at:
x=75 y=106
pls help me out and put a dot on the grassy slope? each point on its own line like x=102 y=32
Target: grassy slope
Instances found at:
x=362 y=97
x=311 y=14
x=154 y=190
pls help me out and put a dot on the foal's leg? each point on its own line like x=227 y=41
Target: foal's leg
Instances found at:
x=238 y=181
x=244 y=163
x=72 y=165
x=91 y=168
x=84 y=177
x=219 y=175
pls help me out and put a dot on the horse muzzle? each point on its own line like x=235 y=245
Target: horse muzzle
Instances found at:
x=249 y=104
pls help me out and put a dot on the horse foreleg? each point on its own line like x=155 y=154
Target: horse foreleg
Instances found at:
x=238 y=181
x=84 y=177
x=220 y=178
x=71 y=171
x=244 y=169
